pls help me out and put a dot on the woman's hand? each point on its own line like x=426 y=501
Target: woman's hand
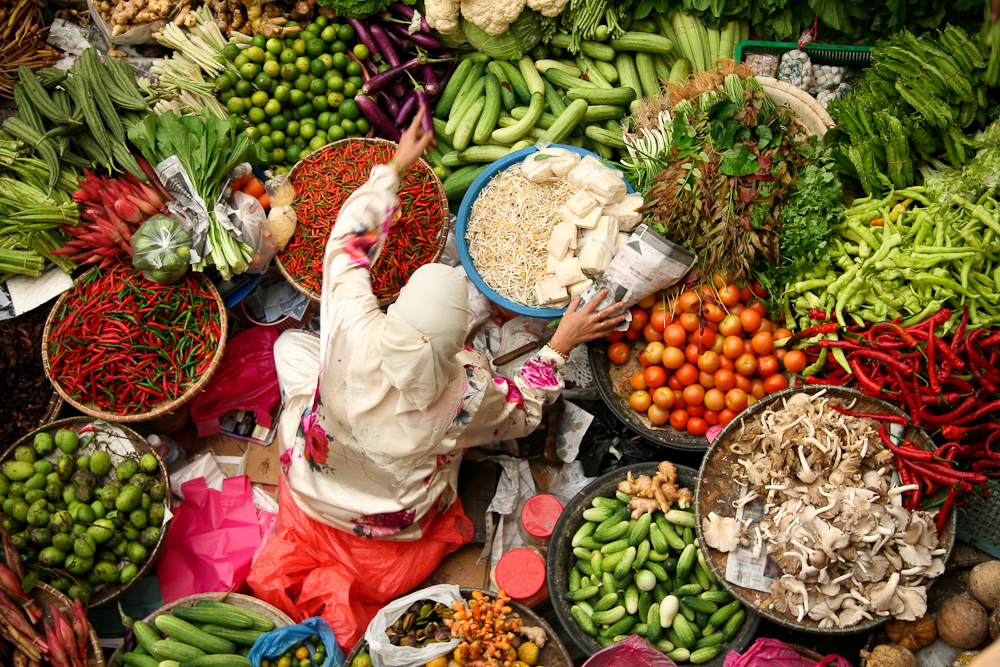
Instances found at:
x=586 y=324
x=413 y=143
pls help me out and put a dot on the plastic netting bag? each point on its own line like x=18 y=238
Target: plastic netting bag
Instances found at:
x=161 y=249
x=247 y=214
x=385 y=654
x=632 y=652
x=279 y=640
x=767 y=652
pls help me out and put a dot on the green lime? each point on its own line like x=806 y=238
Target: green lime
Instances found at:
x=301 y=82
x=279 y=122
x=299 y=46
x=272 y=68
x=278 y=137
x=272 y=108
x=270 y=57
x=258 y=41
x=317 y=87
x=264 y=129
x=293 y=128
x=345 y=32
x=349 y=110
x=249 y=71
x=223 y=83
x=335 y=119
x=353 y=69
x=317 y=142
x=350 y=90
x=247 y=102
x=231 y=52
x=256 y=53
x=317 y=68
x=256 y=115
x=243 y=88
x=335 y=133
x=314 y=47
x=320 y=103
x=338 y=47
x=312 y=29
x=227 y=95
x=309 y=96
x=278 y=155
x=335 y=84
x=340 y=61
x=349 y=126
x=307 y=131
x=288 y=72
x=263 y=80
x=282 y=92
x=273 y=86
x=300 y=142
x=327 y=61
x=253 y=134
x=321 y=134
x=241 y=60
x=335 y=99
x=329 y=34
x=302 y=64
x=295 y=114
x=321 y=22
x=306 y=110
x=287 y=56
x=363 y=125
x=287 y=42
x=323 y=120
x=360 y=51
x=267 y=143
x=259 y=98
x=297 y=97
x=356 y=80
x=235 y=106
x=274 y=46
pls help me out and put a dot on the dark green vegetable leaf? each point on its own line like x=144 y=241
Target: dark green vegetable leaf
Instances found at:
x=764 y=135
x=738 y=162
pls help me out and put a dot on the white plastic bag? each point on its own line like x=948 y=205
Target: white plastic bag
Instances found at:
x=384 y=654
x=248 y=216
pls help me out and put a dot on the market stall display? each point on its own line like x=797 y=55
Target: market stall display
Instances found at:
x=663 y=563
x=125 y=349
x=84 y=506
x=325 y=179
x=851 y=555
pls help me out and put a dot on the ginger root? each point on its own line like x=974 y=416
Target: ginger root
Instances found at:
x=534 y=635
x=657 y=493
x=640 y=506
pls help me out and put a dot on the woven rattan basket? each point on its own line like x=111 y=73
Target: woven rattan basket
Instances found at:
x=162 y=409
x=46 y=598
x=442 y=236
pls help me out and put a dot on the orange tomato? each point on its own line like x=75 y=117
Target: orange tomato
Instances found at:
x=747 y=346
x=715 y=399
x=708 y=361
x=719 y=345
x=640 y=318
x=654 y=352
x=719 y=280
x=689 y=321
x=767 y=365
x=732 y=346
x=640 y=401
x=712 y=417
x=638 y=381
x=714 y=326
x=688 y=302
x=708 y=291
x=633 y=334
x=679 y=419
x=781 y=333
x=657 y=415
x=655 y=376
x=736 y=310
x=743 y=382
x=712 y=313
x=664 y=397
x=678 y=400
x=693 y=394
x=746 y=364
x=618 y=353
x=614 y=336
x=651 y=333
x=729 y=295
x=706 y=380
x=750 y=319
x=725 y=379
x=672 y=358
x=731 y=325
x=658 y=320
x=697 y=426
x=745 y=293
x=762 y=343
x=642 y=360
x=736 y=399
x=691 y=353
x=706 y=338
x=725 y=363
x=795 y=361
x=727 y=416
x=687 y=374
x=780 y=353
x=648 y=302
x=775 y=383
x=695 y=410
x=674 y=335
x=757 y=388
x=765 y=326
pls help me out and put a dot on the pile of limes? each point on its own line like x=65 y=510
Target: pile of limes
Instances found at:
x=296 y=94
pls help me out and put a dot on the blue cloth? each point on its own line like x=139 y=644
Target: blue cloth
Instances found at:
x=279 y=640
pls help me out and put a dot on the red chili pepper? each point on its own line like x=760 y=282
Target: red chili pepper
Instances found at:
x=892 y=419
x=937 y=318
x=815 y=314
x=908 y=453
x=942 y=473
x=885 y=358
x=954 y=431
x=950 y=417
x=980 y=412
x=931 y=370
x=949 y=503
x=900 y=331
x=959 y=336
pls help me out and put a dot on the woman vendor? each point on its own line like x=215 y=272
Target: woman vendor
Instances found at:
x=377 y=411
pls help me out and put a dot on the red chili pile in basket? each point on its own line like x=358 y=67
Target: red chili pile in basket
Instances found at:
x=947 y=384
x=324 y=181
x=124 y=344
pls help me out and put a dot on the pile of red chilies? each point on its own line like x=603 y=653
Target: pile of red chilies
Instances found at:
x=945 y=384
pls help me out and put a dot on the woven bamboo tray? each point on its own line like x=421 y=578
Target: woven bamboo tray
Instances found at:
x=107 y=592
x=162 y=409
x=48 y=598
x=442 y=237
x=243 y=601
x=553 y=654
x=717 y=489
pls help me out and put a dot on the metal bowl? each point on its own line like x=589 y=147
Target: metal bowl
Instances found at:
x=560 y=558
x=716 y=490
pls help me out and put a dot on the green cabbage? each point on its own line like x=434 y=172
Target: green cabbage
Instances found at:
x=528 y=29
x=500 y=47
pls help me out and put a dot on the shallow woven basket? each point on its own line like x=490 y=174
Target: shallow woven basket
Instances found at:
x=162 y=408
x=46 y=598
x=111 y=591
x=442 y=233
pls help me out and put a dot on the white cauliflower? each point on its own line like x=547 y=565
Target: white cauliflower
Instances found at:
x=492 y=16
x=548 y=7
x=442 y=15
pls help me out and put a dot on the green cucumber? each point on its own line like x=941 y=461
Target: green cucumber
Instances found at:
x=628 y=74
x=174 y=650
x=686 y=562
x=724 y=613
x=564 y=80
x=491 y=111
x=657 y=539
x=606 y=602
x=681 y=518
x=616 y=96
x=545 y=65
x=455 y=83
x=615 y=547
x=556 y=106
x=607 y=70
x=610 y=616
x=469 y=122
x=583 y=620
x=698 y=604
x=642 y=42
x=599 y=501
x=632 y=599
x=625 y=564
x=653 y=622
x=622 y=527
x=641 y=527
x=532 y=79
x=190 y=634
x=598 y=112
x=574 y=579
x=587 y=529
x=239 y=637
x=462 y=106
x=582 y=594
x=684 y=631
x=133 y=659
x=230 y=660
x=646 y=71
x=516 y=80
x=459 y=181
x=594 y=514
x=641 y=554
x=224 y=617
x=597 y=50
x=593 y=75
x=733 y=625
x=703 y=654
x=507 y=97
x=620 y=627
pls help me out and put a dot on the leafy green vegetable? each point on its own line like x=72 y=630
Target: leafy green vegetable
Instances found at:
x=355 y=9
x=499 y=47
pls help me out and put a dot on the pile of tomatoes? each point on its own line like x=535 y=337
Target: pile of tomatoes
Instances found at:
x=709 y=354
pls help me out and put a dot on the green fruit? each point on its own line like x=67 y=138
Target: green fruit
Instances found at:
x=99 y=510
x=61 y=522
x=264 y=129
x=258 y=41
x=130 y=532
x=8 y=505
x=249 y=71
x=4 y=485
x=18 y=471
x=282 y=93
x=128 y=573
x=79 y=529
x=142 y=480
x=256 y=114
x=345 y=32
x=241 y=60
x=149 y=537
x=115 y=517
x=10 y=524
x=44 y=467
x=136 y=552
x=273 y=45
x=299 y=46
x=37 y=514
x=67 y=440
x=51 y=557
x=120 y=547
x=317 y=142
x=297 y=97
x=231 y=52
x=315 y=47
x=129 y=498
x=84 y=494
x=306 y=111
x=292 y=130
x=329 y=34
x=101 y=531
x=85 y=514
x=65 y=467
x=69 y=495
x=126 y=469
x=356 y=80
x=78 y=564
x=16 y=490
x=223 y=83
x=78 y=592
x=53 y=491
x=36 y=481
x=146 y=502
x=272 y=108
x=278 y=137
x=25 y=453
x=235 y=106
x=156 y=513
x=149 y=464
x=353 y=69
x=83 y=478
x=255 y=54
x=278 y=155
x=302 y=65
x=115 y=540
x=106 y=572
x=335 y=133
x=62 y=541
x=349 y=109
x=293 y=153
x=20 y=541
x=20 y=511
x=43 y=443
x=61 y=584
x=327 y=61
x=105 y=556
x=318 y=87
x=83 y=463
x=350 y=90
x=340 y=61
x=39 y=536
x=34 y=495
x=363 y=125
x=100 y=463
x=259 y=99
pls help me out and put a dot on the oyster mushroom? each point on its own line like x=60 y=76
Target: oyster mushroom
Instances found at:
x=722 y=533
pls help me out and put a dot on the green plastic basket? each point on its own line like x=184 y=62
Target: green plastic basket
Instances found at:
x=855 y=57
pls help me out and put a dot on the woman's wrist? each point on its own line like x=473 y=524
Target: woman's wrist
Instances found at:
x=561 y=345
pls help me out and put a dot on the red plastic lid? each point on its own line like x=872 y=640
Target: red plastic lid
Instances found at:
x=520 y=573
x=540 y=514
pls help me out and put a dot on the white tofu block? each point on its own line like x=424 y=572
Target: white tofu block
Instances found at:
x=576 y=289
x=550 y=265
x=595 y=256
x=606 y=186
x=568 y=272
x=538 y=171
x=580 y=174
x=562 y=240
x=560 y=304
x=589 y=221
x=620 y=241
x=561 y=161
x=607 y=228
x=582 y=203
x=549 y=291
x=627 y=211
x=567 y=214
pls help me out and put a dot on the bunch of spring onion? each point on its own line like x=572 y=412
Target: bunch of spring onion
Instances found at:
x=180 y=87
x=201 y=44
x=699 y=44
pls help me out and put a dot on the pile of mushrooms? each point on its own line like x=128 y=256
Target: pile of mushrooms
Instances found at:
x=833 y=520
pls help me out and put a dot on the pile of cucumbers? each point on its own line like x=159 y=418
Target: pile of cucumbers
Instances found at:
x=78 y=522
x=493 y=107
x=646 y=576
x=209 y=634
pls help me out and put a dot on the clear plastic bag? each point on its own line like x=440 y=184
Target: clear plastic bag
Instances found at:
x=385 y=654
x=161 y=249
x=247 y=215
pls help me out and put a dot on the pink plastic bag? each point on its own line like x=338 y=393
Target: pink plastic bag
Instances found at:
x=767 y=652
x=212 y=538
x=632 y=652
x=246 y=380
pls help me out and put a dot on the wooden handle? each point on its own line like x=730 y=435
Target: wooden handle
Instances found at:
x=514 y=354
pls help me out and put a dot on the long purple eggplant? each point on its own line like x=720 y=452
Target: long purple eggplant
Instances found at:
x=397 y=89
x=407 y=108
x=388 y=102
x=364 y=36
x=382 y=79
x=423 y=40
x=407 y=13
x=431 y=83
x=427 y=122
x=384 y=44
x=381 y=123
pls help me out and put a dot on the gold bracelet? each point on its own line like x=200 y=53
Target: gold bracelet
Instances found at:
x=561 y=354
x=394 y=163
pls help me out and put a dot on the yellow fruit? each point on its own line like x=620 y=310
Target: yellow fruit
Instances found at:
x=528 y=652
x=302 y=653
x=438 y=662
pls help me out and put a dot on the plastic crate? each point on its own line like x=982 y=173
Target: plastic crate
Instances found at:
x=855 y=57
x=979 y=521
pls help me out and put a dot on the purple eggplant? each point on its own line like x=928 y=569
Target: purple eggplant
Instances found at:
x=388 y=102
x=423 y=40
x=431 y=85
x=369 y=66
x=385 y=46
x=397 y=89
x=382 y=79
x=364 y=36
x=380 y=122
x=407 y=13
x=427 y=122
x=407 y=108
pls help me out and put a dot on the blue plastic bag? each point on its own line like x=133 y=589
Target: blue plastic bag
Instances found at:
x=279 y=640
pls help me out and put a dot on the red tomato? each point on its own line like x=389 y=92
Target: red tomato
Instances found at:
x=782 y=333
x=691 y=353
x=642 y=360
x=648 y=302
x=765 y=326
x=658 y=320
x=614 y=336
x=674 y=383
x=750 y=319
x=689 y=321
x=736 y=310
x=729 y=295
x=687 y=374
x=633 y=334
x=795 y=361
x=736 y=399
x=714 y=326
x=706 y=380
x=743 y=382
x=712 y=417
x=695 y=410
x=758 y=290
x=731 y=325
x=758 y=305
x=688 y=302
x=651 y=333
x=727 y=416
x=654 y=352
x=661 y=306
x=779 y=354
x=693 y=394
x=767 y=365
x=640 y=401
x=674 y=335
x=715 y=399
x=732 y=346
x=673 y=358
x=746 y=364
x=775 y=383
x=745 y=294
x=640 y=318
x=678 y=400
x=655 y=376
x=712 y=313
x=762 y=343
x=719 y=280
x=757 y=388
x=657 y=415
x=679 y=419
x=725 y=363
x=697 y=426
x=618 y=353
x=725 y=379
x=708 y=361
x=638 y=381
x=664 y=397
x=706 y=338
x=747 y=346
